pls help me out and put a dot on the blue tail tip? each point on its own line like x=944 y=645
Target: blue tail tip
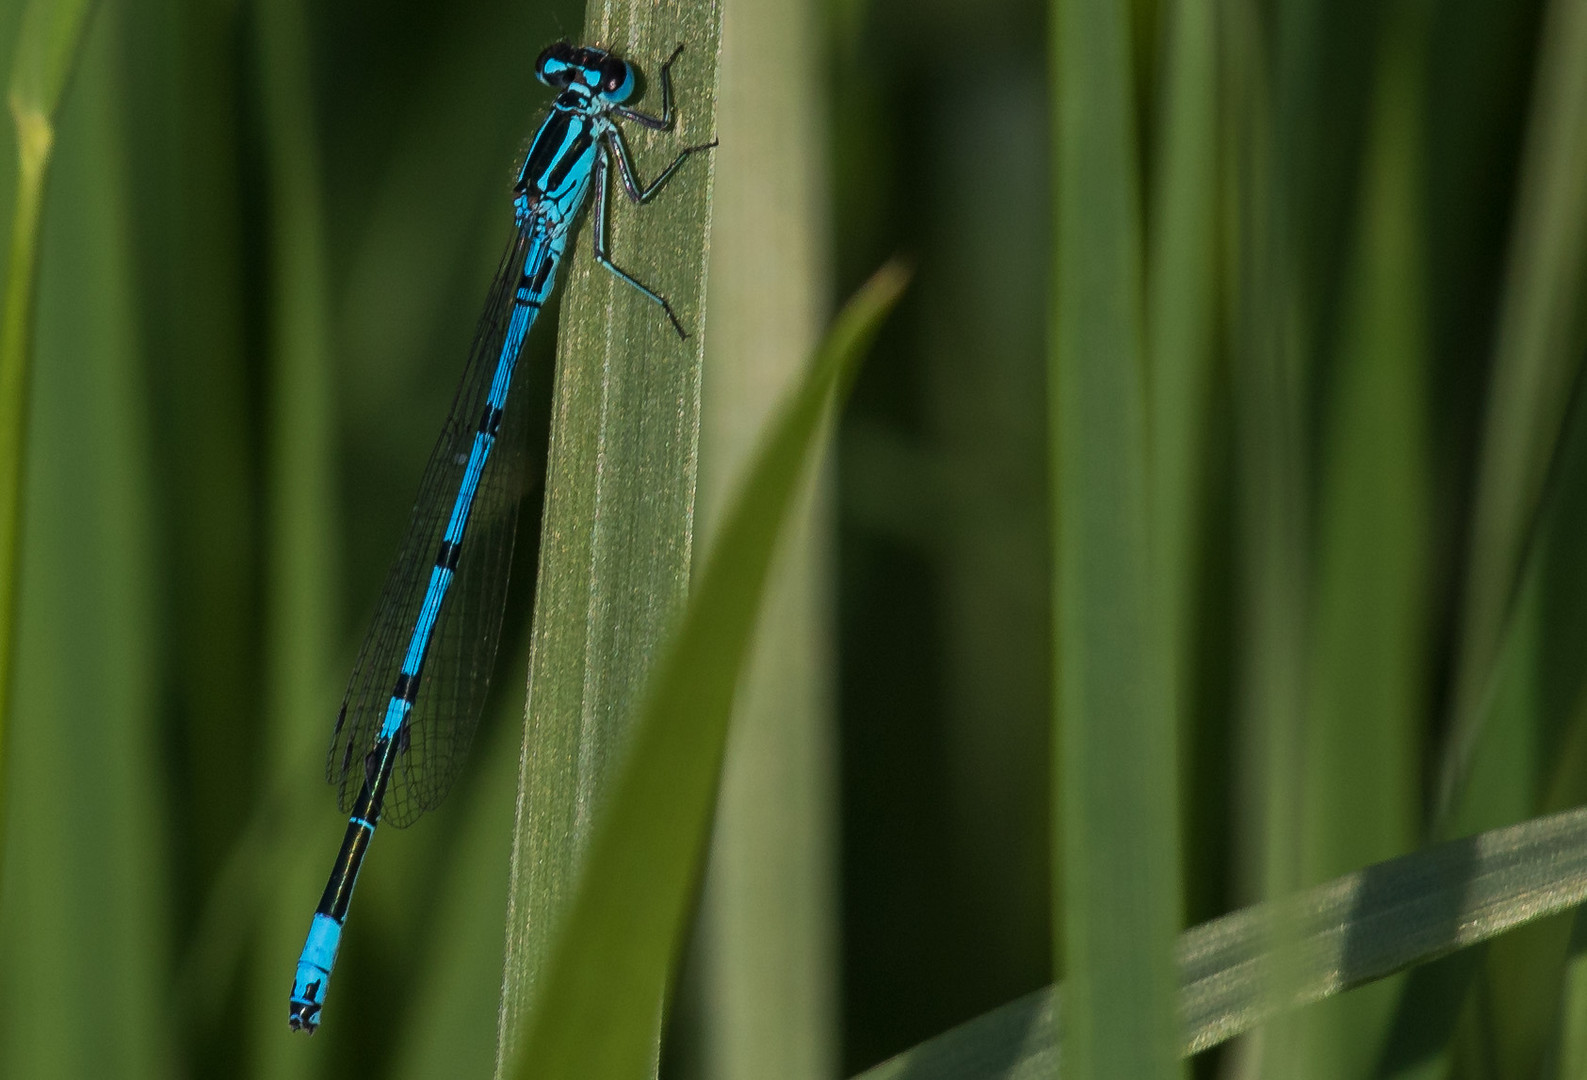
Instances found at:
x=314 y=973
x=305 y=1016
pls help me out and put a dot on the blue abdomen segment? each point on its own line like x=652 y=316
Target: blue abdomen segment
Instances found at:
x=534 y=286
x=314 y=972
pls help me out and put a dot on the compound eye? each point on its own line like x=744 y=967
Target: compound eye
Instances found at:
x=617 y=80
x=554 y=67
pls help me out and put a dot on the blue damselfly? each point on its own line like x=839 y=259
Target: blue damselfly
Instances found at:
x=420 y=679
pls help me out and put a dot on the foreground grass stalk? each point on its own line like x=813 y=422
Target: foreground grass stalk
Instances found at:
x=767 y=931
x=1115 y=791
x=618 y=529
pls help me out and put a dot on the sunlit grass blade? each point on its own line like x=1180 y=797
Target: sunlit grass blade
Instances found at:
x=47 y=46
x=1349 y=931
x=767 y=929
x=594 y=1014
x=1537 y=353
x=617 y=534
x=1114 y=783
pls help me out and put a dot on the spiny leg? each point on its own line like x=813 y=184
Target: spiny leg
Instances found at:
x=664 y=121
x=602 y=256
x=635 y=188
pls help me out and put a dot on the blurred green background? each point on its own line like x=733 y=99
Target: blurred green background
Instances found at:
x=249 y=223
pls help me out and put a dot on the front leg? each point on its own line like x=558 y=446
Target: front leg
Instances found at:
x=664 y=121
x=635 y=188
x=602 y=256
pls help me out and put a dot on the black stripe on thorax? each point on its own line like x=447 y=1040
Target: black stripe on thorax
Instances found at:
x=570 y=157
x=490 y=421
x=551 y=136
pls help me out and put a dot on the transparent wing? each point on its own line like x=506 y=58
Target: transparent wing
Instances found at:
x=457 y=668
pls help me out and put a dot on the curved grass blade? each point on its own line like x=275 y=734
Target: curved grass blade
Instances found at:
x=48 y=42
x=595 y=1015
x=767 y=933
x=1346 y=932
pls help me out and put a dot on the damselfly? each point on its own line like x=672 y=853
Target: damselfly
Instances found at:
x=420 y=679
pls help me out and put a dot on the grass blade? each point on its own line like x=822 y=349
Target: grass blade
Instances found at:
x=302 y=579
x=84 y=928
x=1536 y=357
x=47 y=45
x=593 y=1019
x=1349 y=931
x=617 y=534
x=1114 y=780
x=450 y=1026
x=1487 y=763
x=1268 y=104
x=1369 y=637
x=767 y=931
x=1180 y=298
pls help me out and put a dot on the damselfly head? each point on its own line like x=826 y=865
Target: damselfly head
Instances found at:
x=562 y=65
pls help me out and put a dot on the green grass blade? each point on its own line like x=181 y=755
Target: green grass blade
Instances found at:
x=1114 y=782
x=1536 y=357
x=1369 y=637
x=1490 y=764
x=1349 y=931
x=84 y=927
x=617 y=534
x=302 y=580
x=594 y=1016
x=1571 y=1036
x=767 y=931
x=48 y=42
x=1267 y=107
x=1181 y=309
x=450 y=1027
x=1180 y=298
x=182 y=139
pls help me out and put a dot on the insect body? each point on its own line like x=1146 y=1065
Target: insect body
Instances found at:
x=420 y=680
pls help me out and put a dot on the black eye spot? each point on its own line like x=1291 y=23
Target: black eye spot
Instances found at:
x=613 y=73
